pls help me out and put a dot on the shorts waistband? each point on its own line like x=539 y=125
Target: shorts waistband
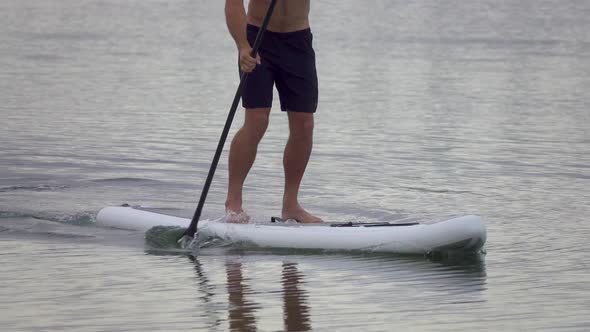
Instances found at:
x=253 y=28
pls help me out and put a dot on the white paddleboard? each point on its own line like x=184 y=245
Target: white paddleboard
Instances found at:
x=467 y=233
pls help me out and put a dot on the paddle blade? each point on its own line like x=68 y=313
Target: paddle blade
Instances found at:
x=166 y=237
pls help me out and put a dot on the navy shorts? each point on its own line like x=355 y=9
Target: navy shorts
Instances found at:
x=287 y=60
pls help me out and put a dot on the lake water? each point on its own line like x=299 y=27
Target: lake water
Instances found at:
x=427 y=110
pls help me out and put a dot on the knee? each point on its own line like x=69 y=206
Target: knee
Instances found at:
x=302 y=125
x=256 y=124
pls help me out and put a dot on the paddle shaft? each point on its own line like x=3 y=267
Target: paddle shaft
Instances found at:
x=191 y=230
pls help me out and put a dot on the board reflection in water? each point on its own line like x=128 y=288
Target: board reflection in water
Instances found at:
x=250 y=292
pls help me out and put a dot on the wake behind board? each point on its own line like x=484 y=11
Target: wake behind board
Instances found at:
x=467 y=233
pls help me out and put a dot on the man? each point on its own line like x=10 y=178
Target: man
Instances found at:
x=285 y=58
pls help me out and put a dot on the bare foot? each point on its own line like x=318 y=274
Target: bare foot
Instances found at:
x=299 y=214
x=240 y=217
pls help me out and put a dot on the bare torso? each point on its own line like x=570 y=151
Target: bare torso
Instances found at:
x=288 y=15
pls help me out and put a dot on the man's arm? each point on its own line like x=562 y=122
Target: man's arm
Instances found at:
x=235 y=17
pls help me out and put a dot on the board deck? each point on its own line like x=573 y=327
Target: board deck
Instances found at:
x=466 y=233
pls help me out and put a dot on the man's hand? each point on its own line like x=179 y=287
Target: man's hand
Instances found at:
x=247 y=62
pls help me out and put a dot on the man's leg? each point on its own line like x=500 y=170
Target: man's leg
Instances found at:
x=242 y=154
x=295 y=160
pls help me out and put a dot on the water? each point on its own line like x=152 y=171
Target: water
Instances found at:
x=427 y=110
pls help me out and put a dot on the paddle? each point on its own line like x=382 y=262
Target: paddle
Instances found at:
x=192 y=229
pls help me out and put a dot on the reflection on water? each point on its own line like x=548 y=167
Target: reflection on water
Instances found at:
x=296 y=311
x=241 y=315
x=241 y=310
x=353 y=279
x=227 y=289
